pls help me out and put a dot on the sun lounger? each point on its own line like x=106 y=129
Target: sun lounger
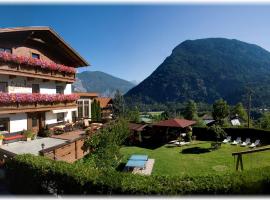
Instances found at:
x=255 y=144
x=237 y=141
x=247 y=142
x=228 y=139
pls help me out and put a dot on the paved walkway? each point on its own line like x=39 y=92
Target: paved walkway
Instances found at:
x=148 y=168
x=33 y=146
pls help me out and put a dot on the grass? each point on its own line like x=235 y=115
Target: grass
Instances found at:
x=197 y=159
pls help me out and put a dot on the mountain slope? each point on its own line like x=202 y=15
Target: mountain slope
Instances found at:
x=207 y=69
x=104 y=84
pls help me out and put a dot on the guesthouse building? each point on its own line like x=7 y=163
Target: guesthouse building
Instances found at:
x=37 y=68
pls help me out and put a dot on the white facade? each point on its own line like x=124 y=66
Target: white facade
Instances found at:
x=18 y=121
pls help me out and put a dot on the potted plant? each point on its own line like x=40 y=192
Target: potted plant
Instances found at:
x=34 y=136
x=28 y=134
x=1 y=139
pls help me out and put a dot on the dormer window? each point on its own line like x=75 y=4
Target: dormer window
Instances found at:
x=35 y=55
x=8 y=50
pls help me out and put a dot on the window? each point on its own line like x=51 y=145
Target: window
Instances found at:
x=3 y=86
x=35 y=88
x=80 y=109
x=35 y=55
x=86 y=108
x=8 y=50
x=34 y=121
x=60 y=117
x=59 y=89
x=74 y=117
x=4 y=124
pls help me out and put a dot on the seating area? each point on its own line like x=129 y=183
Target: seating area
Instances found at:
x=12 y=137
x=244 y=143
x=178 y=143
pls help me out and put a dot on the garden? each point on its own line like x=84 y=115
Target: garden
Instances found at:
x=197 y=158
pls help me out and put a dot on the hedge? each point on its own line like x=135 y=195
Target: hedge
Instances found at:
x=28 y=174
x=201 y=133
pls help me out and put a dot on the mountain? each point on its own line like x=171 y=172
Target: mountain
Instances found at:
x=104 y=84
x=208 y=69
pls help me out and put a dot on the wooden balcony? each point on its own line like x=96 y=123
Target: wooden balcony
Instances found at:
x=35 y=107
x=35 y=72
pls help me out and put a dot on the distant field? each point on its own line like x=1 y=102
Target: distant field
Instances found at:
x=154 y=113
x=196 y=160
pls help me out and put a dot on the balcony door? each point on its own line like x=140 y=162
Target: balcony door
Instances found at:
x=35 y=121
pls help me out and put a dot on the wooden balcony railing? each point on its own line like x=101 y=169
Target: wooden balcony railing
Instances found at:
x=29 y=71
x=17 y=103
x=21 y=108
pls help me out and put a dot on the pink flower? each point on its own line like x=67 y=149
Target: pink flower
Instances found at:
x=7 y=99
x=34 y=62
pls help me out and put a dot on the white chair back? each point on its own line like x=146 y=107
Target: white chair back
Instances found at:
x=257 y=142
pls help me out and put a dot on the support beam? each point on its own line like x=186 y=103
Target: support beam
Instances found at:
x=12 y=76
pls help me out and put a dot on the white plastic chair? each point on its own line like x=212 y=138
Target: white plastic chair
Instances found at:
x=228 y=139
x=237 y=141
x=255 y=144
x=247 y=142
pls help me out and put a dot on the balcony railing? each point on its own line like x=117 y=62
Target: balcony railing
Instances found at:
x=35 y=68
x=16 y=103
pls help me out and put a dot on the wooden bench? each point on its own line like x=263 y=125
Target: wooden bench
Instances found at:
x=12 y=137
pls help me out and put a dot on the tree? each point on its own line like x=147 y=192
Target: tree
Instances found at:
x=264 y=121
x=118 y=104
x=239 y=110
x=220 y=111
x=133 y=115
x=95 y=111
x=105 y=145
x=190 y=111
x=216 y=133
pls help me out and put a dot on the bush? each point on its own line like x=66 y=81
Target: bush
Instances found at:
x=29 y=174
x=45 y=132
x=58 y=131
x=216 y=133
x=28 y=133
x=105 y=145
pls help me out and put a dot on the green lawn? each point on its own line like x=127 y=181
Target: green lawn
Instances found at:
x=172 y=161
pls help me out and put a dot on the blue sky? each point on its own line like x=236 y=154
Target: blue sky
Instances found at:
x=130 y=41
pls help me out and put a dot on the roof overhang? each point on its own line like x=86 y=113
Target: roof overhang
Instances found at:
x=49 y=32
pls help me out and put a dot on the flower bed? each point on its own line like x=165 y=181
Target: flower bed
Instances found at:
x=34 y=62
x=9 y=99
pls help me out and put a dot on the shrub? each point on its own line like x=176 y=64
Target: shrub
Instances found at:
x=28 y=133
x=105 y=144
x=189 y=136
x=29 y=174
x=216 y=133
x=58 y=131
x=45 y=132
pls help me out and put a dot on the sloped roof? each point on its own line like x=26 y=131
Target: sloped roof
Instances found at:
x=86 y=94
x=104 y=101
x=180 y=123
x=137 y=127
x=49 y=33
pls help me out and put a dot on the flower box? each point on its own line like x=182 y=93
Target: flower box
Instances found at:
x=36 y=99
x=35 y=63
x=27 y=68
